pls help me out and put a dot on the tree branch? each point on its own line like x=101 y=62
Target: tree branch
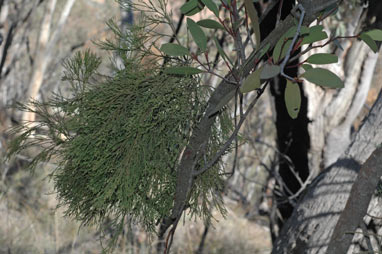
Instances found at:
x=185 y=173
x=310 y=227
x=357 y=204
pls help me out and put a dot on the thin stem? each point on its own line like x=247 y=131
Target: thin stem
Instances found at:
x=323 y=45
x=282 y=66
x=238 y=41
x=279 y=12
x=208 y=70
x=233 y=135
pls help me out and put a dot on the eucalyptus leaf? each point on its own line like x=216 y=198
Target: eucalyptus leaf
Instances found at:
x=316 y=28
x=191 y=7
x=322 y=58
x=198 y=34
x=221 y=51
x=369 y=41
x=254 y=17
x=292 y=97
x=293 y=30
x=252 y=82
x=285 y=49
x=262 y=51
x=316 y=33
x=270 y=71
x=323 y=77
x=188 y=6
x=194 y=11
x=282 y=46
x=210 y=23
x=173 y=49
x=211 y=6
x=277 y=50
x=375 y=34
x=182 y=70
x=307 y=67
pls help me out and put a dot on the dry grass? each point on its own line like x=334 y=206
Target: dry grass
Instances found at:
x=233 y=234
x=29 y=223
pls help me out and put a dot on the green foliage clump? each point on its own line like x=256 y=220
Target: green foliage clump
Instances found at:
x=118 y=142
x=128 y=133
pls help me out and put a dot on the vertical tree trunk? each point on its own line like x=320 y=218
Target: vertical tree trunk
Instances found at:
x=313 y=220
x=332 y=114
x=46 y=44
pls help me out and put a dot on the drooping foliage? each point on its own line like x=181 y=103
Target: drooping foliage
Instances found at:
x=117 y=139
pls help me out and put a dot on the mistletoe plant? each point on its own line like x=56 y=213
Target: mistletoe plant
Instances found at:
x=117 y=139
x=145 y=144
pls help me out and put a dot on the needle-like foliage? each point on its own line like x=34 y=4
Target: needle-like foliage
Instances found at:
x=118 y=140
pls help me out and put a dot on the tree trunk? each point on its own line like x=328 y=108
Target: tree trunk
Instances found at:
x=313 y=220
x=357 y=204
x=44 y=56
x=332 y=113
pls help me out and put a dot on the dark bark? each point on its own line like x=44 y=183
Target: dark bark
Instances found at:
x=292 y=135
x=8 y=43
x=293 y=143
x=203 y=239
x=374 y=14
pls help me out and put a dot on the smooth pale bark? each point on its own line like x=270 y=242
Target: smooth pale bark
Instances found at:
x=333 y=111
x=44 y=57
x=312 y=223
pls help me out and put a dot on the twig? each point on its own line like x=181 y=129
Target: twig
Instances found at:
x=374 y=217
x=174 y=36
x=208 y=70
x=236 y=141
x=169 y=239
x=216 y=60
x=180 y=22
x=279 y=12
x=237 y=37
x=285 y=61
x=203 y=239
x=233 y=135
x=321 y=46
x=365 y=232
